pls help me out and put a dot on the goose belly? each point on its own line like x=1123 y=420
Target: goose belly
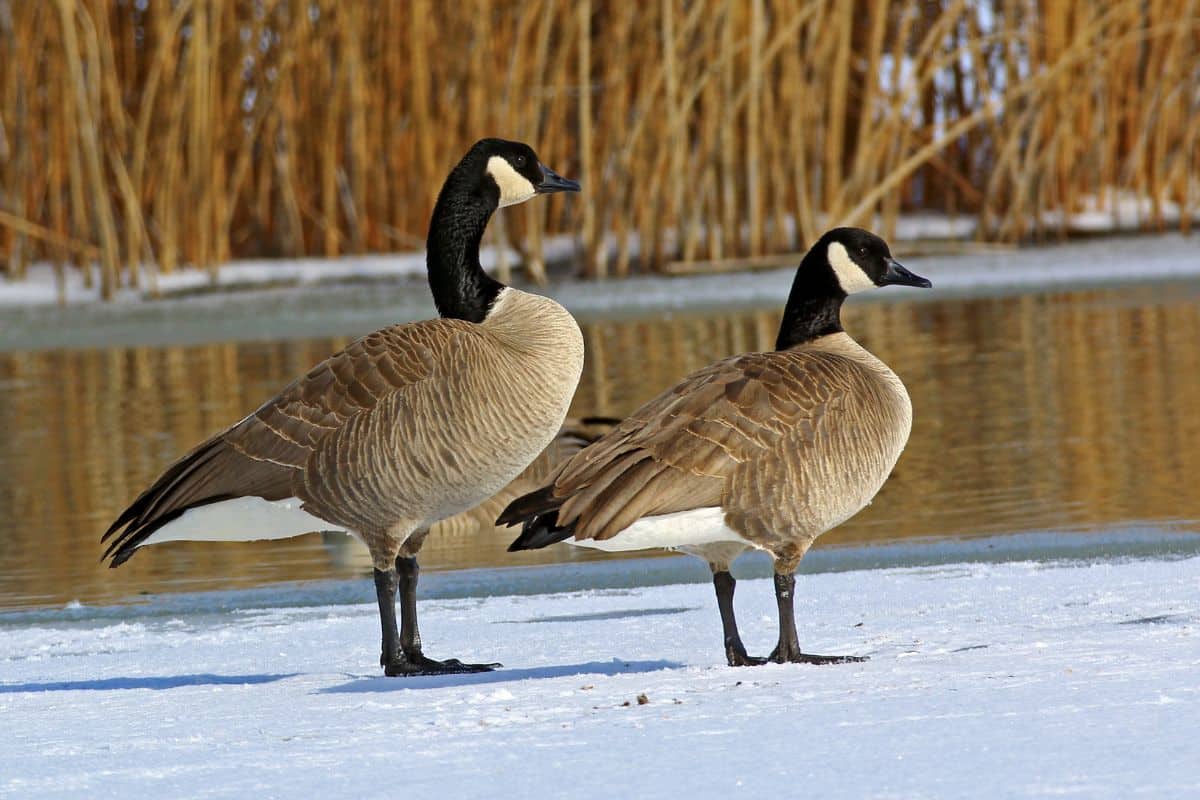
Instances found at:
x=697 y=526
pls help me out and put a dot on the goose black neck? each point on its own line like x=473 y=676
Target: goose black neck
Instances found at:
x=461 y=289
x=814 y=306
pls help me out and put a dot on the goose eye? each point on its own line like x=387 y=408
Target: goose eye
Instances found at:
x=518 y=161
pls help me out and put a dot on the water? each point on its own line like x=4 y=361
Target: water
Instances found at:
x=1073 y=413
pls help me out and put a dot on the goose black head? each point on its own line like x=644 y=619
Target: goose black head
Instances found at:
x=510 y=172
x=843 y=261
x=493 y=173
x=861 y=260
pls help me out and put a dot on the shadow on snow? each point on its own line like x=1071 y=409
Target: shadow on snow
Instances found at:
x=384 y=684
x=604 y=615
x=146 y=682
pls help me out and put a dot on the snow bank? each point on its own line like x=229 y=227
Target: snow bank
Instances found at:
x=333 y=310
x=41 y=285
x=1112 y=212
x=1017 y=679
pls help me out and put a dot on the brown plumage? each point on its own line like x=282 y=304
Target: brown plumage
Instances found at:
x=397 y=428
x=765 y=450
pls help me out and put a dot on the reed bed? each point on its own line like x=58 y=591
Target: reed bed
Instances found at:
x=143 y=136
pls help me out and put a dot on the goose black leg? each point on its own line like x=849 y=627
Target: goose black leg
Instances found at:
x=391 y=657
x=408 y=573
x=788 y=649
x=735 y=651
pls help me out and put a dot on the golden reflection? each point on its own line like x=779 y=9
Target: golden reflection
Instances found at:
x=1031 y=412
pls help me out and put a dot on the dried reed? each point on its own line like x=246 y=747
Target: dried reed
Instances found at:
x=194 y=131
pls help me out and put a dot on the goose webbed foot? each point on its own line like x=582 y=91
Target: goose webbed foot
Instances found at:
x=790 y=655
x=736 y=656
x=405 y=666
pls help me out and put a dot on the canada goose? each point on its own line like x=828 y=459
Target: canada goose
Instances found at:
x=765 y=450
x=406 y=426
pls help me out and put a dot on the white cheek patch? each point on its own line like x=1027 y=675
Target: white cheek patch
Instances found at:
x=514 y=187
x=849 y=275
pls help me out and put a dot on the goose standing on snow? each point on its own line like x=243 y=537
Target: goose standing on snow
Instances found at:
x=763 y=450
x=406 y=426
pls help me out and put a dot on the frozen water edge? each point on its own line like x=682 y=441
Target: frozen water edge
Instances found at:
x=1004 y=679
x=315 y=310
x=1158 y=540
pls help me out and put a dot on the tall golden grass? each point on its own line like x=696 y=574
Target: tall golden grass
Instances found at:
x=190 y=132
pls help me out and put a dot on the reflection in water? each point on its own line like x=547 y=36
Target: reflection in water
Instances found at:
x=1032 y=412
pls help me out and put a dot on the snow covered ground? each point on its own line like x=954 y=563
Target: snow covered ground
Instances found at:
x=1009 y=679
